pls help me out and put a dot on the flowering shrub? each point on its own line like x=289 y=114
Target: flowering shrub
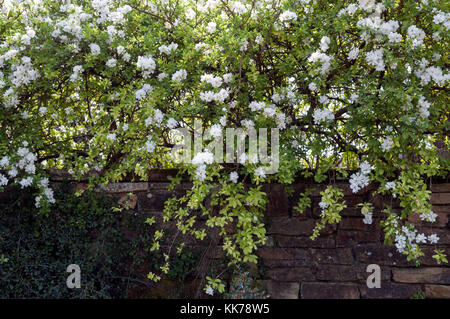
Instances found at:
x=95 y=87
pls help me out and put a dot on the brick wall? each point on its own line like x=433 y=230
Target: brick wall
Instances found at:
x=334 y=265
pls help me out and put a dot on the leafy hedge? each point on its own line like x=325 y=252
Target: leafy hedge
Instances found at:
x=83 y=230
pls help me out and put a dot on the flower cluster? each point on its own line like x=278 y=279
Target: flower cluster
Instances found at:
x=360 y=179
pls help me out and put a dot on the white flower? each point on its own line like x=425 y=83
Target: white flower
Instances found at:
x=190 y=14
x=416 y=34
x=209 y=291
x=323 y=205
x=394 y=37
x=3 y=180
x=25 y=182
x=95 y=48
x=367 y=219
x=42 y=110
x=12 y=172
x=400 y=243
x=4 y=162
x=38 y=201
x=433 y=239
x=288 y=16
x=203 y=158
x=358 y=181
x=158 y=116
x=179 y=76
x=167 y=49
x=111 y=63
x=324 y=42
x=260 y=172
x=421 y=238
x=120 y=49
x=387 y=144
x=200 y=172
x=211 y=27
x=228 y=77
x=375 y=58
x=365 y=168
x=323 y=115
x=367 y=5
x=146 y=63
x=313 y=86
x=150 y=145
x=216 y=131
x=390 y=186
x=215 y=81
x=111 y=136
x=172 y=123
x=234 y=177
x=429 y=216
x=323 y=58
x=162 y=76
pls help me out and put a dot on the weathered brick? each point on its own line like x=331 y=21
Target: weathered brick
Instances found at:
x=305 y=242
x=437 y=275
x=437 y=291
x=161 y=175
x=302 y=257
x=356 y=212
x=348 y=273
x=358 y=224
x=337 y=272
x=342 y=256
x=380 y=201
x=283 y=290
x=279 y=263
x=442 y=233
x=349 y=238
x=441 y=220
x=389 y=291
x=440 y=198
x=153 y=200
x=380 y=254
x=275 y=253
x=125 y=187
x=319 y=290
x=291 y=226
x=278 y=204
x=440 y=188
x=291 y=274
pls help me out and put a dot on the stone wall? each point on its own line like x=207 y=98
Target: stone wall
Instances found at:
x=334 y=265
